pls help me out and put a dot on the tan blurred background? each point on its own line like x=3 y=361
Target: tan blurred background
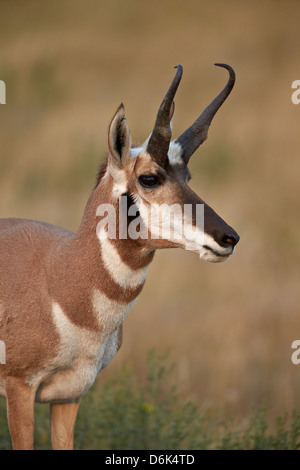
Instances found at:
x=68 y=65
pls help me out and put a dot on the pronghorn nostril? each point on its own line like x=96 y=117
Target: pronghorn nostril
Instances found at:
x=230 y=240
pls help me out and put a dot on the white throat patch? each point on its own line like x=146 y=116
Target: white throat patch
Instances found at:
x=120 y=272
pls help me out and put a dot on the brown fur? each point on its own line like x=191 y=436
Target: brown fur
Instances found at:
x=62 y=303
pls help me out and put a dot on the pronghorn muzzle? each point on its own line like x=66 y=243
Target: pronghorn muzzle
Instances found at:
x=219 y=238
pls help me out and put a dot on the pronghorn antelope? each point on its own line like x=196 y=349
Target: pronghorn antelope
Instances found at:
x=64 y=295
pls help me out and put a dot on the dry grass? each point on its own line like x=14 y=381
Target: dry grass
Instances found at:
x=67 y=66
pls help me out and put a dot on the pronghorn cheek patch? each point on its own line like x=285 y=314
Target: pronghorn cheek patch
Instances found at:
x=121 y=176
x=120 y=181
x=174 y=223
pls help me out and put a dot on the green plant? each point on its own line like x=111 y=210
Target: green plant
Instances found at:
x=126 y=414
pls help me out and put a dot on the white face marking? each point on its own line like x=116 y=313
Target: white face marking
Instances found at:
x=172 y=223
x=120 y=184
x=120 y=175
x=135 y=151
x=120 y=180
x=213 y=252
x=190 y=238
x=175 y=154
x=119 y=271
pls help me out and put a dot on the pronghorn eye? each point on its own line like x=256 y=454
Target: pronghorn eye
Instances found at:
x=149 y=181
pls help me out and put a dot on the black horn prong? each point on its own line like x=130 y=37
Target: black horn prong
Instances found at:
x=196 y=134
x=159 y=141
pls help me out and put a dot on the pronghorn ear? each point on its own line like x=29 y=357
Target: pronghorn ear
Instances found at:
x=119 y=138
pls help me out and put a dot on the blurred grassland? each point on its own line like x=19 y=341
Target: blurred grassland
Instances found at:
x=148 y=415
x=67 y=66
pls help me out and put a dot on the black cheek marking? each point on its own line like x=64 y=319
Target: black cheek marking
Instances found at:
x=130 y=203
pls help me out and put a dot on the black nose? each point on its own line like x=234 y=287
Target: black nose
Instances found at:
x=230 y=239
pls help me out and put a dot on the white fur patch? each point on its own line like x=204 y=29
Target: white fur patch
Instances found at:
x=121 y=273
x=120 y=181
x=74 y=369
x=135 y=151
x=213 y=252
x=175 y=154
x=110 y=315
x=82 y=353
x=2 y=352
x=119 y=188
x=120 y=175
x=172 y=223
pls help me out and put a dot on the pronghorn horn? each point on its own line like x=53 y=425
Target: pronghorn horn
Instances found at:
x=159 y=141
x=196 y=134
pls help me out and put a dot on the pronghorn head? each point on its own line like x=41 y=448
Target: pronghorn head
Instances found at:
x=154 y=178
